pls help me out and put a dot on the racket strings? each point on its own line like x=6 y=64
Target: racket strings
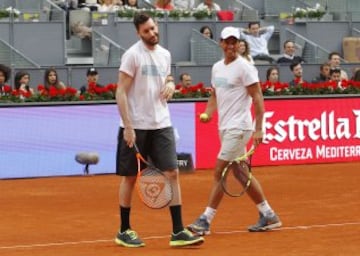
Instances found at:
x=154 y=187
x=237 y=178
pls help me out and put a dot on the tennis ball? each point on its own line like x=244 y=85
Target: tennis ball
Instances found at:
x=204 y=117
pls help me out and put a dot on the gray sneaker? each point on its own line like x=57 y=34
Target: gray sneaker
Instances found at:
x=265 y=223
x=185 y=238
x=129 y=238
x=201 y=226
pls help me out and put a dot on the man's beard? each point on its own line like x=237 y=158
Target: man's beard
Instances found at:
x=151 y=42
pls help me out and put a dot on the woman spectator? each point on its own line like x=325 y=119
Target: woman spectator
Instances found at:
x=22 y=82
x=51 y=79
x=272 y=82
x=207 y=32
x=131 y=3
x=5 y=73
x=244 y=51
x=164 y=5
x=356 y=76
x=108 y=6
x=210 y=5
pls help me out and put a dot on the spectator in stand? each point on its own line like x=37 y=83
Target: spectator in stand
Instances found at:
x=324 y=74
x=289 y=54
x=22 y=82
x=108 y=6
x=210 y=5
x=207 y=32
x=297 y=71
x=184 y=82
x=356 y=76
x=335 y=76
x=51 y=79
x=272 y=78
x=244 y=51
x=5 y=73
x=92 y=77
x=131 y=3
x=334 y=61
x=258 y=38
x=184 y=4
x=164 y=5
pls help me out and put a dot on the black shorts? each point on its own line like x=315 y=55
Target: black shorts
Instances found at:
x=158 y=145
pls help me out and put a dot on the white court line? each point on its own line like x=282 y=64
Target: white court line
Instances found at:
x=167 y=236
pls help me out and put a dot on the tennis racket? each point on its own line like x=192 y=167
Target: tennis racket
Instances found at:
x=154 y=188
x=236 y=176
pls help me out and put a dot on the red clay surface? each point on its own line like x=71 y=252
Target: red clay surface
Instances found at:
x=318 y=204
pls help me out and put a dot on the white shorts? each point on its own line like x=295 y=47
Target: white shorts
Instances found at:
x=233 y=143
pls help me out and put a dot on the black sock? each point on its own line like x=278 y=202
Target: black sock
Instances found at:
x=124 y=218
x=175 y=211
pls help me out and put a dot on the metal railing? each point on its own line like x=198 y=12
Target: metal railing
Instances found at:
x=311 y=52
x=244 y=11
x=204 y=51
x=13 y=58
x=105 y=51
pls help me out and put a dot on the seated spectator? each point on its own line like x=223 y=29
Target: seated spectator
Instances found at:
x=324 y=74
x=272 y=78
x=356 y=76
x=207 y=32
x=184 y=82
x=131 y=3
x=5 y=73
x=92 y=77
x=108 y=6
x=258 y=40
x=335 y=77
x=210 y=5
x=164 y=5
x=297 y=71
x=51 y=79
x=244 y=51
x=22 y=82
x=334 y=61
x=289 y=54
x=184 y=4
x=89 y=5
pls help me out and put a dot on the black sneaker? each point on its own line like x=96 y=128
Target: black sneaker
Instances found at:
x=184 y=238
x=266 y=223
x=129 y=238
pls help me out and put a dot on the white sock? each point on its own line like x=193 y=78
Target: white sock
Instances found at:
x=209 y=213
x=265 y=209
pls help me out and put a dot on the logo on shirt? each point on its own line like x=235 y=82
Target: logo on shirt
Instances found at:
x=151 y=70
x=222 y=82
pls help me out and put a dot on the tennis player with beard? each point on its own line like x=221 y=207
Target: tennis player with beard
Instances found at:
x=144 y=87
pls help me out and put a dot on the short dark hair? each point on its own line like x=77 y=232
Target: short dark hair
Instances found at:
x=331 y=54
x=140 y=18
x=335 y=70
x=288 y=41
x=202 y=29
x=253 y=23
x=182 y=75
x=293 y=65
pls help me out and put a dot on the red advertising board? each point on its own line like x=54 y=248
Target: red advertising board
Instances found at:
x=296 y=131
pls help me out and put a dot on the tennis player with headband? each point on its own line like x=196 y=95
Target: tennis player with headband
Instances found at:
x=143 y=89
x=235 y=87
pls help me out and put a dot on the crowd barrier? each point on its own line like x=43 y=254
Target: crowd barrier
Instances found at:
x=42 y=139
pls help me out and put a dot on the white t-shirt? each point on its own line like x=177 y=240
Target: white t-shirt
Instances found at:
x=258 y=44
x=184 y=4
x=216 y=7
x=149 y=69
x=233 y=101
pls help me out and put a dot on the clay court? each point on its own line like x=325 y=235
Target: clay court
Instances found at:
x=318 y=204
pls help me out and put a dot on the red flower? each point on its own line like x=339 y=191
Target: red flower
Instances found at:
x=7 y=88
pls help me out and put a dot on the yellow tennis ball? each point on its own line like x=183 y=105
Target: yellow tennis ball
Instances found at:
x=204 y=117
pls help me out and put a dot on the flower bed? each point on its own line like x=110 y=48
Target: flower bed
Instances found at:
x=42 y=94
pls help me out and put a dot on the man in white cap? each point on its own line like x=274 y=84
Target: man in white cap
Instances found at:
x=236 y=87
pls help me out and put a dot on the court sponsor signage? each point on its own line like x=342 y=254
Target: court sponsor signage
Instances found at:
x=299 y=131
